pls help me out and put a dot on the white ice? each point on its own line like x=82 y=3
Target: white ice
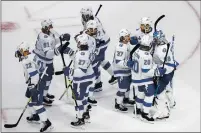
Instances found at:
x=180 y=20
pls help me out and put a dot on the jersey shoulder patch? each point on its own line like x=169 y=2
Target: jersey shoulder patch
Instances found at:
x=146 y=53
x=120 y=45
x=164 y=50
x=45 y=36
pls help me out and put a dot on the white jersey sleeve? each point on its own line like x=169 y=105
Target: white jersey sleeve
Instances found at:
x=101 y=33
x=30 y=71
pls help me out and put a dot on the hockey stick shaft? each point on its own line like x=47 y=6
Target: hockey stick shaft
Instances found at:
x=98 y=10
x=155 y=24
x=14 y=125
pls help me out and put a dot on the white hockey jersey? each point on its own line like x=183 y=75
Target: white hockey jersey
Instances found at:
x=144 y=69
x=121 y=56
x=91 y=48
x=83 y=70
x=30 y=70
x=45 y=47
x=101 y=34
x=139 y=34
x=159 y=57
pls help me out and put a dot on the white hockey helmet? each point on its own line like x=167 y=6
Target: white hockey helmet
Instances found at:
x=82 y=39
x=91 y=24
x=86 y=11
x=145 y=24
x=146 y=40
x=46 y=23
x=23 y=47
x=145 y=21
x=123 y=33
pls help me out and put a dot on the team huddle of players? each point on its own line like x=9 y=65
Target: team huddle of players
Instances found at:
x=142 y=71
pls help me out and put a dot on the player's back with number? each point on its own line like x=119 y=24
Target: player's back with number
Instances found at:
x=30 y=70
x=142 y=72
x=82 y=67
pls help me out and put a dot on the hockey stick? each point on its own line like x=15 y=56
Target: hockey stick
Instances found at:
x=135 y=106
x=98 y=10
x=61 y=72
x=14 y=125
x=155 y=24
x=66 y=81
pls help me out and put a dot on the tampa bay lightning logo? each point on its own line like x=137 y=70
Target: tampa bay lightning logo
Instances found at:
x=146 y=53
x=120 y=45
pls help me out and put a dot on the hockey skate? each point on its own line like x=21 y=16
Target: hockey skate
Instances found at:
x=120 y=107
x=98 y=87
x=137 y=113
x=50 y=96
x=145 y=117
x=93 y=102
x=47 y=101
x=33 y=119
x=127 y=102
x=46 y=126
x=86 y=116
x=78 y=124
x=89 y=107
x=113 y=80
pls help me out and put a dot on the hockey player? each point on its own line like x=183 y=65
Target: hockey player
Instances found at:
x=45 y=50
x=34 y=89
x=83 y=78
x=102 y=43
x=143 y=71
x=161 y=48
x=145 y=28
x=122 y=71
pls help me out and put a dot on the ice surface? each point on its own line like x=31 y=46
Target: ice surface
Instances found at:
x=180 y=20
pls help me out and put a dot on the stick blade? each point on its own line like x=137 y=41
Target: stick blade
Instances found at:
x=10 y=125
x=58 y=72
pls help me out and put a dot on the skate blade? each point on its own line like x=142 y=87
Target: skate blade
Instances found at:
x=82 y=127
x=34 y=122
x=48 y=105
x=98 y=90
x=162 y=119
x=116 y=110
x=146 y=121
x=136 y=116
x=87 y=120
x=49 y=129
x=93 y=104
x=113 y=82
x=128 y=105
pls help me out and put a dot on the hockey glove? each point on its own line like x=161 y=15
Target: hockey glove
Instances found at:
x=160 y=71
x=63 y=47
x=134 y=40
x=65 y=37
x=68 y=71
x=130 y=63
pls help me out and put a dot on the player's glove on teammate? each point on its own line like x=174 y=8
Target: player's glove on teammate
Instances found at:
x=130 y=63
x=134 y=40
